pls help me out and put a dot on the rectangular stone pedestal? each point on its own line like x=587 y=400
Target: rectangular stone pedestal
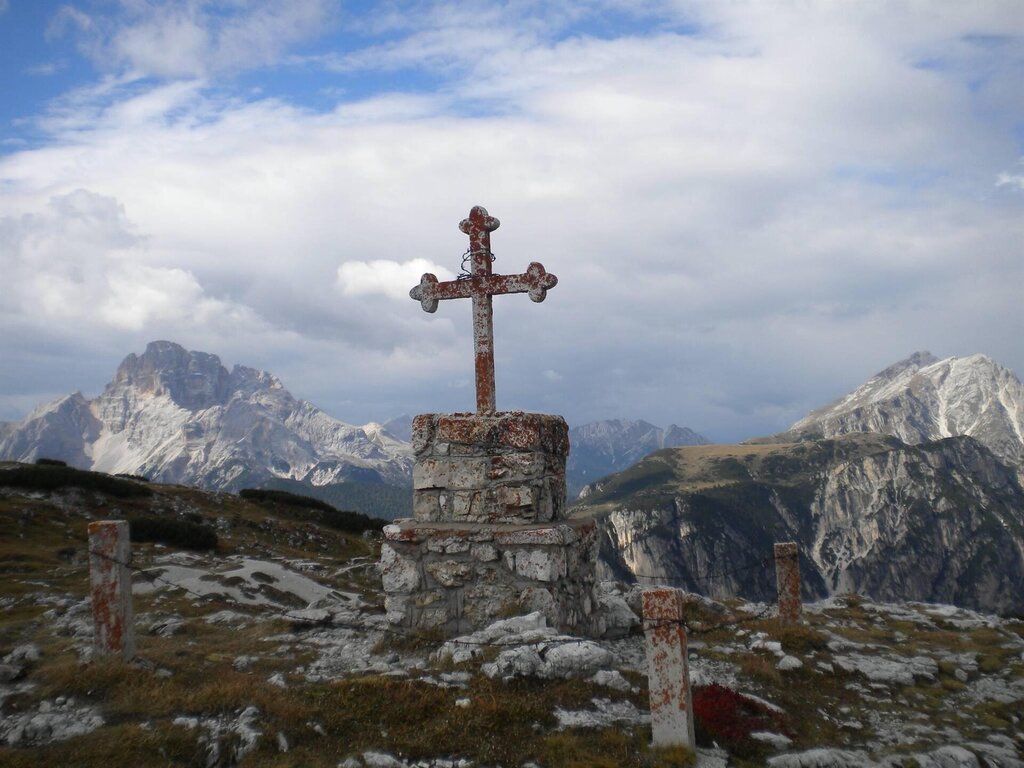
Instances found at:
x=461 y=576
x=488 y=538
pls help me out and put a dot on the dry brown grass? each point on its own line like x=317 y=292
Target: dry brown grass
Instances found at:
x=795 y=638
x=760 y=668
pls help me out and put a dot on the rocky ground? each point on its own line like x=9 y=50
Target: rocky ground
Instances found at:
x=273 y=651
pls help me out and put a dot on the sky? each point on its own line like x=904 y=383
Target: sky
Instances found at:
x=751 y=207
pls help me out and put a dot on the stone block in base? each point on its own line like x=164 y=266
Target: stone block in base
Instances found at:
x=505 y=468
x=474 y=573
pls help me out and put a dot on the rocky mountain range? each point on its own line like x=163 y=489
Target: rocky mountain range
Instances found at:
x=923 y=398
x=907 y=488
x=603 y=447
x=942 y=521
x=182 y=417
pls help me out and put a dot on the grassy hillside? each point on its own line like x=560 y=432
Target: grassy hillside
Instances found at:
x=231 y=671
x=701 y=468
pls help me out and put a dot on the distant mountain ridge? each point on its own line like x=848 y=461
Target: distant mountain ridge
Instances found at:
x=603 y=447
x=923 y=398
x=942 y=521
x=180 y=416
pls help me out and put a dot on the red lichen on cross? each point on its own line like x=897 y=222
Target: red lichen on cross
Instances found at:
x=481 y=285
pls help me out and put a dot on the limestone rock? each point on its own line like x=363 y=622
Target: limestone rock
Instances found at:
x=619 y=618
x=400 y=574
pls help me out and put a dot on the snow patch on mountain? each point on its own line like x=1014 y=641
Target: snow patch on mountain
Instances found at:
x=923 y=398
x=180 y=416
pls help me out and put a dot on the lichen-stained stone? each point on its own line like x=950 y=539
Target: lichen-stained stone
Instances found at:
x=501 y=432
x=449 y=545
x=483 y=602
x=426 y=505
x=397 y=608
x=111 y=588
x=540 y=599
x=430 y=609
x=554 y=535
x=464 y=503
x=541 y=564
x=787 y=577
x=489 y=527
x=422 y=432
x=517 y=496
x=399 y=574
x=485 y=553
x=520 y=467
x=466 y=429
x=668 y=670
x=449 y=573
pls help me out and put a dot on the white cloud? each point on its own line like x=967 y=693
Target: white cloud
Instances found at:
x=80 y=264
x=194 y=39
x=1012 y=180
x=389 y=278
x=744 y=221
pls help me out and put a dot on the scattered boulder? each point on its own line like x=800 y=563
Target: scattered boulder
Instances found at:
x=49 y=723
x=167 y=626
x=619 y=618
x=788 y=663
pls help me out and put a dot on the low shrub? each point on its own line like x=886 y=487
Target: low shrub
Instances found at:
x=172 y=532
x=267 y=496
x=57 y=477
x=724 y=716
x=50 y=462
x=315 y=510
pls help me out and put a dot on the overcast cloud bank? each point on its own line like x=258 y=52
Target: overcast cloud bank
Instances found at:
x=750 y=208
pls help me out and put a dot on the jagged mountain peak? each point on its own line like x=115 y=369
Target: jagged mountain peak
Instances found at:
x=193 y=380
x=924 y=398
x=914 y=362
x=180 y=416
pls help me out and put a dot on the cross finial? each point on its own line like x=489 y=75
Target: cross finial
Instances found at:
x=479 y=226
x=481 y=286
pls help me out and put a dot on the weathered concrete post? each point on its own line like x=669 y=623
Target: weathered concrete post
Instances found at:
x=787 y=580
x=668 y=670
x=111 y=587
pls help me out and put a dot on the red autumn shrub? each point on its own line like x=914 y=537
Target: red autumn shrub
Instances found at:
x=728 y=718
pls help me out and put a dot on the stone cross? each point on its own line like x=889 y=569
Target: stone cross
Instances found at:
x=481 y=285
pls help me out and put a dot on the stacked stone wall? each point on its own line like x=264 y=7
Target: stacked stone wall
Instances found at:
x=489 y=536
x=508 y=468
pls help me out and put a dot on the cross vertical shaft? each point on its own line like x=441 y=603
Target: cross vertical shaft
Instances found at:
x=479 y=227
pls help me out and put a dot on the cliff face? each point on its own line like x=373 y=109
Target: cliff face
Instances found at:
x=942 y=521
x=179 y=416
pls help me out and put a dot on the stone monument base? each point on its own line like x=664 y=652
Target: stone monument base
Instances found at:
x=458 y=577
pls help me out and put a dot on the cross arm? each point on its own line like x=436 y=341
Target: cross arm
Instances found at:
x=535 y=281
